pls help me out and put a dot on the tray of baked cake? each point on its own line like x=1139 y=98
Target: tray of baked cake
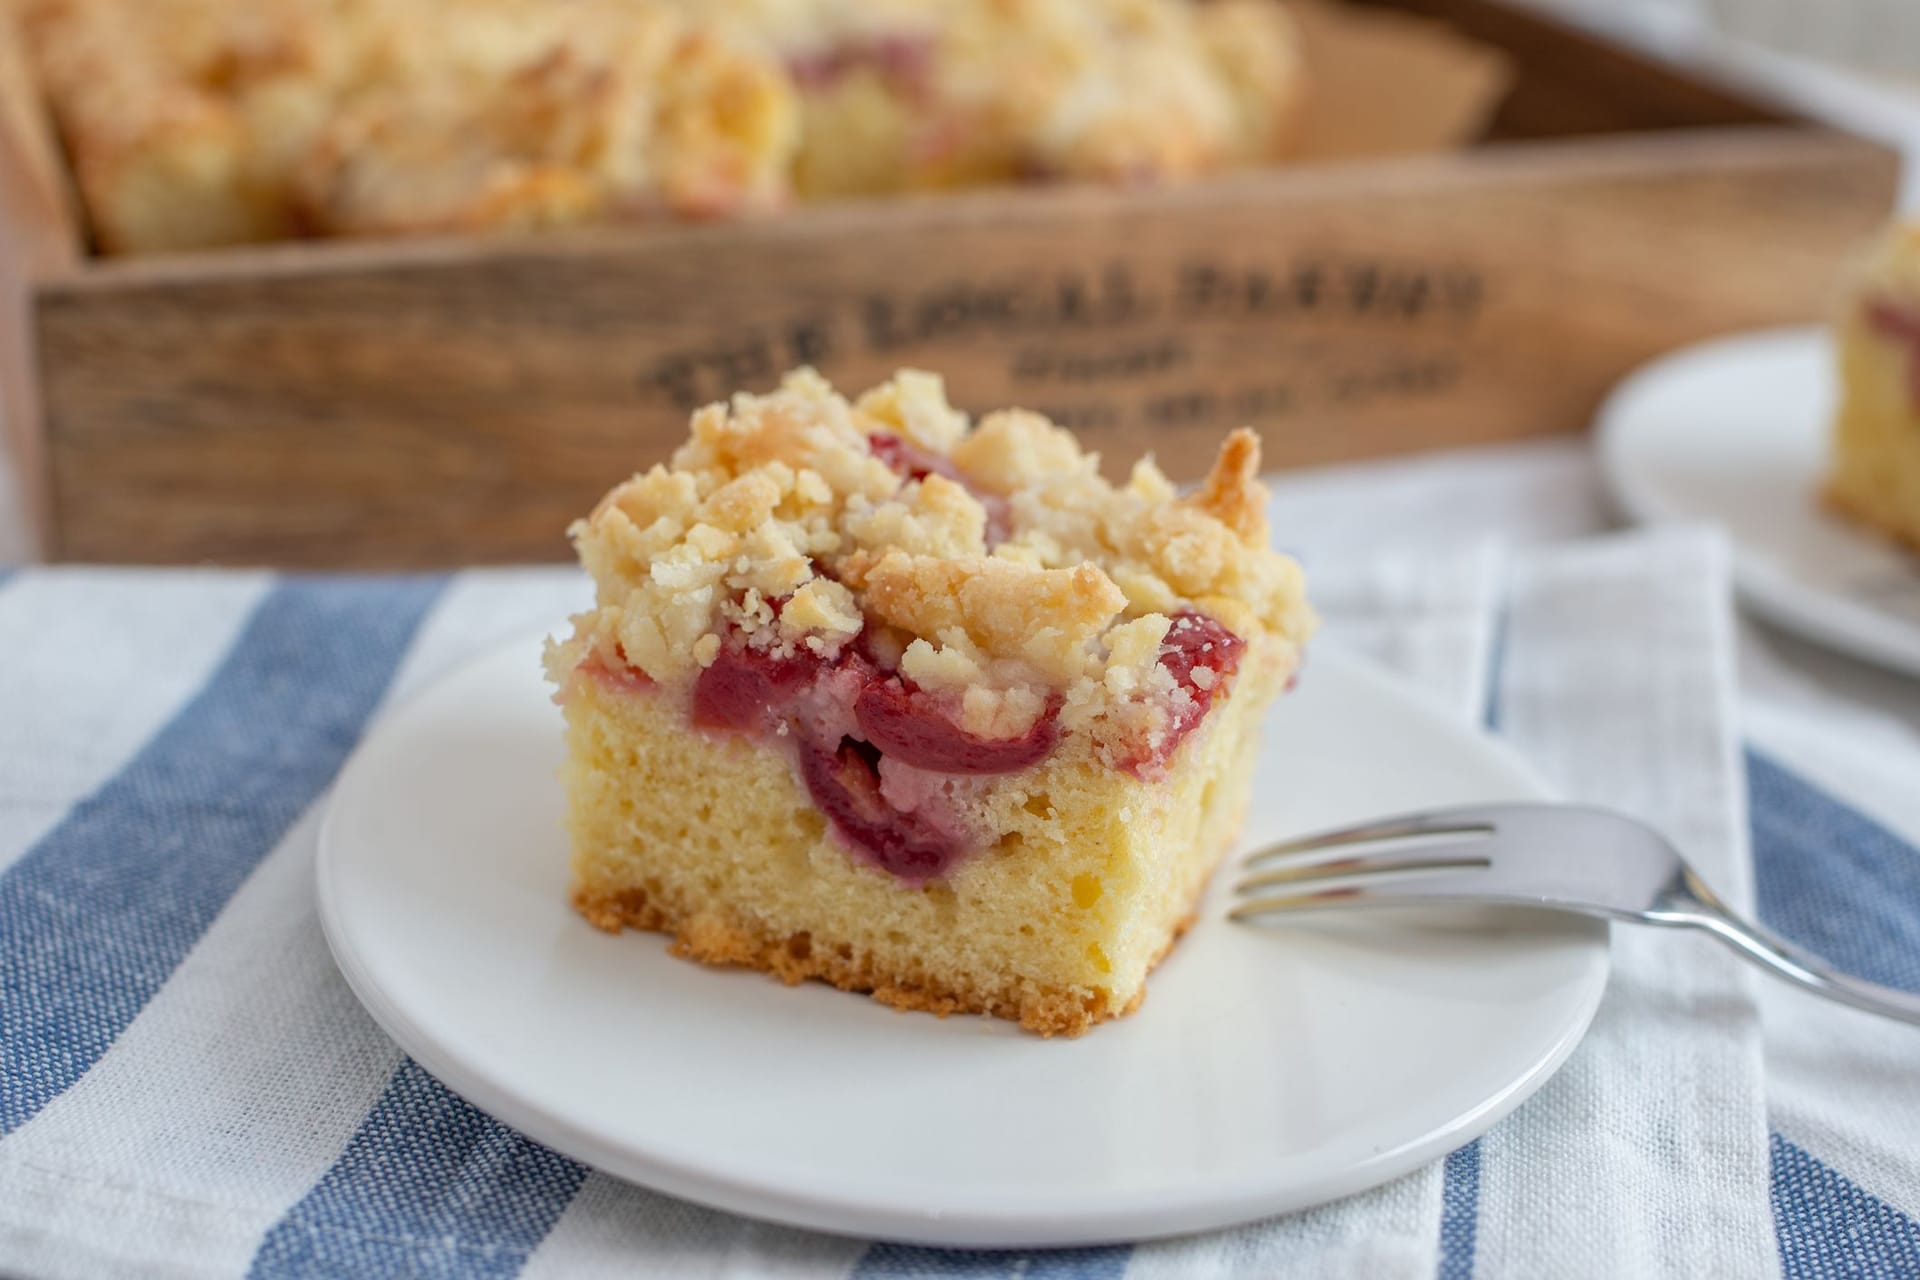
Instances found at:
x=338 y=282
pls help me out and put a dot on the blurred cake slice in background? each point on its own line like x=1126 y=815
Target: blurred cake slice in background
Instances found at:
x=538 y=114
x=195 y=123
x=1875 y=478
x=191 y=124
x=181 y=117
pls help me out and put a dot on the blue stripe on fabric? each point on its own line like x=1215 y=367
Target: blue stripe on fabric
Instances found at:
x=97 y=915
x=427 y=1187
x=1494 y=714
x=1832 y=879
x=1459 y=1212
x=911 y=1262
x=1829 y=1229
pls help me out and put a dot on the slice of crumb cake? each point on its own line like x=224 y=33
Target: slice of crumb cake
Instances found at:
x=1875 y=478
x=919 y=709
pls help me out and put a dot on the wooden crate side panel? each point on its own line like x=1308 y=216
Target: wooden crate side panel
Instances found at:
x=464 y=409
x=1568 y=82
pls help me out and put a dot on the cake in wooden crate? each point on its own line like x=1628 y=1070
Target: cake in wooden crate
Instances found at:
x=194 y=123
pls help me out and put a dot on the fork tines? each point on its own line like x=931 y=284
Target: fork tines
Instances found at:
x=1420 y=847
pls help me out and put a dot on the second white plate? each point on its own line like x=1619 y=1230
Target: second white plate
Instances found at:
x=1267 y=1070
x=1734 y=432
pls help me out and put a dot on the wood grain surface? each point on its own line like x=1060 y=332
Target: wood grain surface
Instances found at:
x=1569 y=83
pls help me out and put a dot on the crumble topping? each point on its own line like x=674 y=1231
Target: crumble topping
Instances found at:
x=1048 y=618
x=991 y=566
x=934 y=517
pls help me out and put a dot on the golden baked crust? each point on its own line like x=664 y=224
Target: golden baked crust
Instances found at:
x=1047 y=1011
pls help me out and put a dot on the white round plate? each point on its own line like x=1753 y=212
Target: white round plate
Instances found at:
x=1267 y=1070
x=1735 y=432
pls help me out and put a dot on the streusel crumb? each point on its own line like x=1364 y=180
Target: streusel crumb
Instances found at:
x=991 y=560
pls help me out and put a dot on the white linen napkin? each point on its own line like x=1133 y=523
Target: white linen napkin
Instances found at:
x=1647 y=1154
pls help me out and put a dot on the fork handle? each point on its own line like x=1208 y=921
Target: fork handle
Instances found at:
x=1689 y=902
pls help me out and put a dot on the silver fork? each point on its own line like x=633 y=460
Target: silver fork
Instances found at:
x=1566 y=857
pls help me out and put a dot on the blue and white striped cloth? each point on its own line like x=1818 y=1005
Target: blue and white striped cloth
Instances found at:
x=187 y=1087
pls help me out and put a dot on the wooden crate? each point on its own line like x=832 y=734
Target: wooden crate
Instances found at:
x=458 y=401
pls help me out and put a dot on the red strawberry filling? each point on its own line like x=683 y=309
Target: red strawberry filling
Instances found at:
x=1201 y=655
x=880 y=756
x=915 y=727
x=745 y=689
x=749 y=690
x=1901 y=325
x=847 y=716
x=844 y=781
